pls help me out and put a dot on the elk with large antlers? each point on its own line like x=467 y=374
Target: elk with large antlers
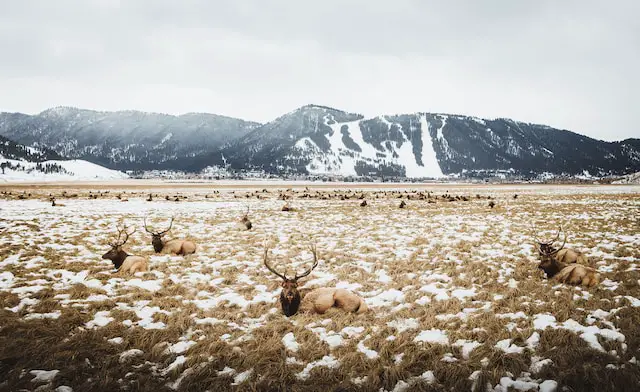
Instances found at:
x=318 y=300
x=123 y=261
x=175 y=246
x=245 y=222
x=565 y=265
x=561 y=254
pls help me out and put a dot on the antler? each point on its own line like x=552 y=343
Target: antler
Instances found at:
x=266 y=263
x=117 y=243
x=535 y=236
x=315 y=263
x=283 y=276
x=160 y=232
x=554 y=251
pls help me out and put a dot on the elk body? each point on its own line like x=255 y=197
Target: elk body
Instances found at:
x=565 y=265
x=314 y=301
x=175 y=246
x=123 y=261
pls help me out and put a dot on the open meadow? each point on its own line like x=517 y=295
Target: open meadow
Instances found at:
x=455 y=299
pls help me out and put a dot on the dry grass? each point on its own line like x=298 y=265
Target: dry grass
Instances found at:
x=456 y=267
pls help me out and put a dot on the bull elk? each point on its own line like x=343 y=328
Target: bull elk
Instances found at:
x=565 y=265
x=123 y=261
x=561 y=254
x=318 y=300
x=175 y=246
x=54 y=204
x=287 y=207
x=245 y=222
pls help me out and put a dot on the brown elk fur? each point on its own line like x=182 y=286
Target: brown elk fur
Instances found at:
x=318 y=300
x=123 y=261
x=322 y=299
x=175 y=246
x=573 y=274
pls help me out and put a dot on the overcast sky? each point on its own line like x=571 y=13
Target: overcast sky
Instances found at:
x=568 y=64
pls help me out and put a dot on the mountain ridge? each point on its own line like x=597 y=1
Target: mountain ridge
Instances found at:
x=323 y=140
x=23 y=163
x=123 y=140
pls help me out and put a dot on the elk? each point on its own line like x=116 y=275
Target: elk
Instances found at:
x=565 y=265
x=318 y=300
x=54 y=204
x=287 y=207
x=175 y=246
x=562 y=254
x=245 y=222
x=123 y=261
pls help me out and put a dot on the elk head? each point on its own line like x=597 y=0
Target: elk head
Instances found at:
x=156 y=237
x=290 y=296
x=547 y=253
x=116 y=254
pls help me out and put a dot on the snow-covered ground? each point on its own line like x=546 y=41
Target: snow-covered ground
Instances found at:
x=456 y=300
x=77 y=170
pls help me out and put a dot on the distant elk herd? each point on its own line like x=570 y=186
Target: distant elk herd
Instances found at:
x=559 y=263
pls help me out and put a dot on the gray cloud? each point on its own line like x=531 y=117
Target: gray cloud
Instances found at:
x=568 y=64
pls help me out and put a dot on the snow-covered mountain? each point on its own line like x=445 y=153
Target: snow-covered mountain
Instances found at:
x=317 y=139
x=322 y=140
x=123 y=140
x=22 y=163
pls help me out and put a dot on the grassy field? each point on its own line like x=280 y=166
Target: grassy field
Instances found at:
x=456 y=299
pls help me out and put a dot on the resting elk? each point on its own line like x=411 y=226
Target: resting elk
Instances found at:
x=175 y=246
x=245 y=222
x=123 y=261
x=565 y=265
x=561 y=254
x=53 y=202
x=318 y=300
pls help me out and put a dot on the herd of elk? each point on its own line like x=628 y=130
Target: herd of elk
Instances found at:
x=123 y=261
x=558 y=262
x=174 y=246
x=563 y=264
x=318 y=300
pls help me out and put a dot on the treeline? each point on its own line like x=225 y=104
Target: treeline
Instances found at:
x=46 y=168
